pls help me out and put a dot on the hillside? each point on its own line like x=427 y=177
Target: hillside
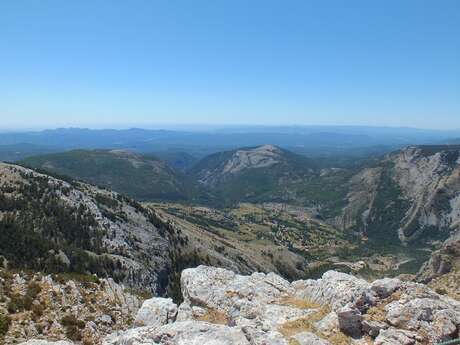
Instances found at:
x=50 y=225
x=178 y=160
x=140 y=177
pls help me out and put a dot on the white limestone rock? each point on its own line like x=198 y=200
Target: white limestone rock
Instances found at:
x=45 y=342
x=393 y=336
x=180 y=333
x=334 y=288
x=385 y=287
x=156 y=312
x=307 y=338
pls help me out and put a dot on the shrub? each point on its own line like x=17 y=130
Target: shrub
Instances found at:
x=16 y=304
x=33 y=289
x=72 y=326
x=37 y=309
x=4 y=324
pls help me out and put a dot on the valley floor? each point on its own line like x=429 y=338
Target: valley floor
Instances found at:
x=286 y=239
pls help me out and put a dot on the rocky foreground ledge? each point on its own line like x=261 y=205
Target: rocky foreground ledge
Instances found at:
x=221 y=307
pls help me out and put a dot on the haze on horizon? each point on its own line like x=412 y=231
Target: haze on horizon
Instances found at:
x=161 y=63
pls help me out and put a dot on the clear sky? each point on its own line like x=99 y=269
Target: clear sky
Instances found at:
x=115 y=62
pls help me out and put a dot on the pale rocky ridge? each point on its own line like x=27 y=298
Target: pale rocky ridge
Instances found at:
x=218 y=168
x=243 y=159
x=428 y=179
x=221 y=307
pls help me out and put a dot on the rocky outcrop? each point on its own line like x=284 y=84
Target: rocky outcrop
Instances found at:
x=221 y=307
x=54 y=307
x=442 y=261
x=420 y=184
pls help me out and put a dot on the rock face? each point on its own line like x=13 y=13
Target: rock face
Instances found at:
x=221 y=307
x=422 y=186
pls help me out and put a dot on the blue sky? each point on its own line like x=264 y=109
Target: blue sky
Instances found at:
x=143 y=62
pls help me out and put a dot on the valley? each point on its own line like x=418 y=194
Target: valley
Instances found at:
x=259 y=209
x=285 y=239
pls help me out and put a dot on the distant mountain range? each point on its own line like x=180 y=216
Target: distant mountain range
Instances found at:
x=309 y=140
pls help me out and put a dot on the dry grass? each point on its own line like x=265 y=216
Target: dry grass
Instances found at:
x=447 y=284
x=338 y=338
x=215 y=316
x=298 y=303
x=378 y=312
x=233 y=294
x=306 y=324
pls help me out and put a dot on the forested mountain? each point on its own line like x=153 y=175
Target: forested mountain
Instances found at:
x=138 y=176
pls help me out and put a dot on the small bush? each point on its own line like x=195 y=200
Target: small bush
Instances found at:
x=441 y=291
x=33 y=289
x=37 y=310
x=16 y=304
x=4 y=324
x=73 y=333
x=72 y=326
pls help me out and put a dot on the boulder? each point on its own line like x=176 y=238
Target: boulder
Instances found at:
x=393 y=336
x=350 y=320
x=372 y=327
x=385 y=287
x=156 y=312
